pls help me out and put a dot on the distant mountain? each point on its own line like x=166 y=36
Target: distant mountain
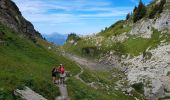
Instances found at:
x=56 y=38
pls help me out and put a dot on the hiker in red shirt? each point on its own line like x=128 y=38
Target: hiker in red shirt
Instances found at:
x=62 y=73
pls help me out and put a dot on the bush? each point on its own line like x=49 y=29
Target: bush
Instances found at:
x=6 y=95
x=139 y=87
x=119 y=48
x=73 y=36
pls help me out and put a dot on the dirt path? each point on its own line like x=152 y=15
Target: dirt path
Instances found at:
x=63 y=93
x=78 y=75
x=86 y=63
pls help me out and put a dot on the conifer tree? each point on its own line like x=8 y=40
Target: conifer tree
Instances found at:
x=127 y=16
x=140 y=12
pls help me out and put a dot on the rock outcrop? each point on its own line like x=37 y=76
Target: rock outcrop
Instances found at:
x=11 y=17
x=28 y=94
x=143 y=28
x=152 y=72
x=152 y=68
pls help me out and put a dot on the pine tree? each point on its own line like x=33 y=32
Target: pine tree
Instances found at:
x=140 y=12
x=127 y=16
x=135 y=8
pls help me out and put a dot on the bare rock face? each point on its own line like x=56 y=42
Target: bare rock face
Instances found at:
x=110 y=59
x=142 y=28
x=12 y=18
x=163 y=22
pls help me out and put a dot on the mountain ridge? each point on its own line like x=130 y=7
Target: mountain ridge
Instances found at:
x=12 y=18
x=57 y=38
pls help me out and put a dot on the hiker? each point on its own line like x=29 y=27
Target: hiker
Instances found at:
x=62 y=73
x=55 y=75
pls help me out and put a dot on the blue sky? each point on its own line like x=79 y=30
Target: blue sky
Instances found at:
x=80 y=16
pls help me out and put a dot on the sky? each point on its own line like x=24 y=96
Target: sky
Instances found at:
x=79 y=16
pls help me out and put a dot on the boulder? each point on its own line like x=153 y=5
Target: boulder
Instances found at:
x=28 y=94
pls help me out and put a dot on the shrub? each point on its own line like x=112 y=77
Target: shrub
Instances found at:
x=139 y=87
x=119 y=48
x=73 y=36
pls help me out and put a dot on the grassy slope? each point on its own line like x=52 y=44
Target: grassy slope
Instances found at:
x=24 y=63
x=133 y=45
x=107 y=45
x=116 y=29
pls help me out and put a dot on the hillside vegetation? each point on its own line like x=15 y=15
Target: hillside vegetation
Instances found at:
x=24 y=63
x=119 y=38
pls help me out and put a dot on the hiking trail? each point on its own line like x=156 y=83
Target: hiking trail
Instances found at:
x=82 y=63
x=63 y=92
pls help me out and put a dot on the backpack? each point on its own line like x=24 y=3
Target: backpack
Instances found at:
x=62 y=70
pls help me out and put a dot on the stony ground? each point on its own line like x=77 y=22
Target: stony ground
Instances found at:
x=152 y=71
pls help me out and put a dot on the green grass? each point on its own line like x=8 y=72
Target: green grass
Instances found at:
x=99 y=76
x=103 y=79
x=116 y=29
x=77 y=49
x=80 y=91
x=24 y=63
x=135 y=46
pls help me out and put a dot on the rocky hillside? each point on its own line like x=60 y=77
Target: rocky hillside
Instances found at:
x=139 y=48
x=12 y=17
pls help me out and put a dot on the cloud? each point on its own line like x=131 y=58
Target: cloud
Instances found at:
x=73 y=12
x=37 y=10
